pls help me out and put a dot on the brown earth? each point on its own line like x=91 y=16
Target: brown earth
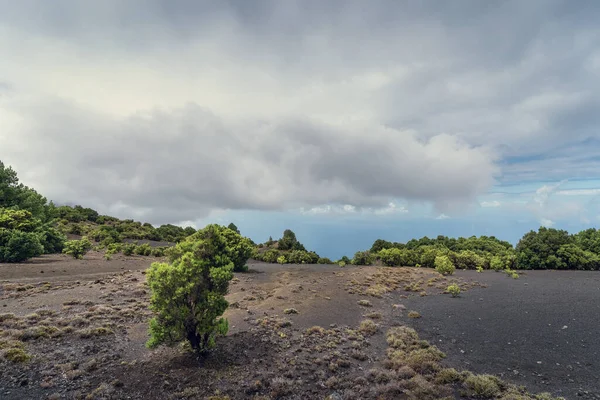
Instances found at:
x=78 y=330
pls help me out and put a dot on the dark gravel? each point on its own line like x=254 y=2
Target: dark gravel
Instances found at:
x=541 y=331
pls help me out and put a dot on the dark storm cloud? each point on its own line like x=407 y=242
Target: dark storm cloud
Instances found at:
x=295 y=103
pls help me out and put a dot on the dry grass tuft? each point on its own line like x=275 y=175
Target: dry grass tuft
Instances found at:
x=365 y=303
x=368 y=327
x=482 y=385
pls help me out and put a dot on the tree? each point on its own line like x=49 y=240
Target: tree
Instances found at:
x=379 y=245
x=537 y=250
x=289 y=241
x=363 y=258
x=233 y=227
x=239 y=248
x=15 y=194
x=188 y=295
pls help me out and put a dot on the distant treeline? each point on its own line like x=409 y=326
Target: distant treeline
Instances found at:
x=546 y=248
x=31 y=226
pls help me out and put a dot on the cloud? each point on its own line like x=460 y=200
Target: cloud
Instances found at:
x=170 y=110
x=548 y=223
x=487 y=204
x=579 y=192
x=442 y=216
x=182 y=163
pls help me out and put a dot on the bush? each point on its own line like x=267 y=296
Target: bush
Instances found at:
x=188 y=295
x=467 y=259
x=453 y=289
x=281 y=260
x=444 y=266
x=324 y=260
x=143 y=250
x=398 y=257
x=77 y=248
x=129 y=249
x=363 y=258
x=496 y=263
x=270 y=256
x=158 y=252
x=51 y=239
x=17 y=246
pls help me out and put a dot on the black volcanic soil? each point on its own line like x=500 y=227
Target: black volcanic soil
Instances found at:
x=541 y=330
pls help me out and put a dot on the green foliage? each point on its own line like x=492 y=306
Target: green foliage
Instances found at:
x=239 y=248
x=289 y=241
x=571 y=256
x=363 y=258
x=18 y=246
x=270 y=256
x=51 y=239
x=345 y=260
x=16 y=195
x=21 y=220
x=281 y=260
x=142 y=250
x=538 y=250
x=398 y=257
x=129 y=249
x=77 y=248
x=106 y=234
x=324 y=260
x=234 y=228
x=467 y=259
x=188 y=295
x=444 y=266
x=453 y=289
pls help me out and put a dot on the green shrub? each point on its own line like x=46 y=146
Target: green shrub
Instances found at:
x=444 y=266
x=77 y=248
x=496 y=263
x=453 y=289
x=143 y=250
x=270 y=256
x=129 y=249
x=51 y=239
x=363 y=258
x=324 y=260
x=17 y=246
x=188 y=295
x=281 y=260
x=158 y=252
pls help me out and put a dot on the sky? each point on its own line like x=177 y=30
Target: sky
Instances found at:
x=345 y=121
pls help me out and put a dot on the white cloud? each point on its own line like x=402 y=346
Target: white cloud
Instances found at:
x=486 y=204
x=579 y=192
x=442 y=216
x=546 y=222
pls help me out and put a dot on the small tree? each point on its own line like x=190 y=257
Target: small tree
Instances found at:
x=444 y=266
x=234 y=228
x=78 y=248
x=188 y=296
